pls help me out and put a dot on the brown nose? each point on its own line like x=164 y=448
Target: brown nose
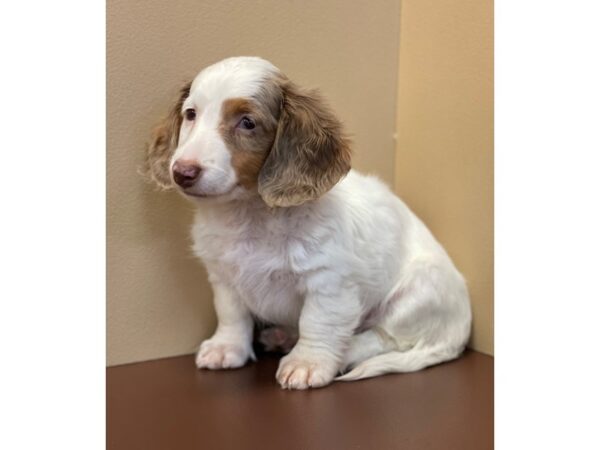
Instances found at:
x=185 y=173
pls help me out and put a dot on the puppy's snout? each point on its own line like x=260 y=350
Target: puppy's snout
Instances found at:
x=185 y=173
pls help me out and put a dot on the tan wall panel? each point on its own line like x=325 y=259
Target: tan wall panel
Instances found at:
x=159 y=302
x=444 y=165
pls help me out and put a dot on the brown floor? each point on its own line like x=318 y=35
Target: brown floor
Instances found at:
x=168 y=405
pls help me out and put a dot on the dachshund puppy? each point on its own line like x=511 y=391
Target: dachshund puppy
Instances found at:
x=291 y=236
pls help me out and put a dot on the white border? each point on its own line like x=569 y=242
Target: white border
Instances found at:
x=52 y=183
x=547 y=224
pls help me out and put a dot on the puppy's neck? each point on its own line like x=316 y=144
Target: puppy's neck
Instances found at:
x=251 y=209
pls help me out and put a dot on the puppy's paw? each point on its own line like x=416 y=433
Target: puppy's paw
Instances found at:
x=302 y=373
x=220 y=355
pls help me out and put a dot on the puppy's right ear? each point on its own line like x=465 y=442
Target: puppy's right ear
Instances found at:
x=164 y=142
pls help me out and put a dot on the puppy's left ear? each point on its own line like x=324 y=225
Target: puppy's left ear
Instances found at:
x=310 y=153
x=164 y=142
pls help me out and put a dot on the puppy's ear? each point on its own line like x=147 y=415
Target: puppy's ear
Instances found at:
x=164 y=142
x=310 y=153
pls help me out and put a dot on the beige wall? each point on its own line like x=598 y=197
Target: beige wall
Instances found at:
x=444 y=165
x=159 y=302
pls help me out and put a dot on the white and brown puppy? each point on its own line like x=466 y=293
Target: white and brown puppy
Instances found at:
x=291 y=236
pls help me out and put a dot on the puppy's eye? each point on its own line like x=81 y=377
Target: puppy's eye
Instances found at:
x=190 y=114
x=246 y=123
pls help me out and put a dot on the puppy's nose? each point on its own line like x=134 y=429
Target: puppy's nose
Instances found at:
x=185 y=173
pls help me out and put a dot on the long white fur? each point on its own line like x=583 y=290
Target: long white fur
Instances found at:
x=369 y=287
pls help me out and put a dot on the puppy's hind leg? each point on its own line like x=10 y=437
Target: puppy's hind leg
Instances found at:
x=430 y=323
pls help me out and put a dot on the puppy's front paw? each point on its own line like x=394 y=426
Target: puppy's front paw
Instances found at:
x=305 y=372
x=220 y=355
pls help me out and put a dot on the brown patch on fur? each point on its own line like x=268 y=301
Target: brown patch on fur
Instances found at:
x=249 y=148
x=164 y=142
x=310 y=153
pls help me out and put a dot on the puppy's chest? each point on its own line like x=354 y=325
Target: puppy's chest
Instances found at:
x=262 y=257
x=265 y=264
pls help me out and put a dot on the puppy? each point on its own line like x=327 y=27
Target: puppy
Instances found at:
x=290 y=235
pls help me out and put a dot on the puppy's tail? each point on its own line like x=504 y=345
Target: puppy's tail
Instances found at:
x=393 y=362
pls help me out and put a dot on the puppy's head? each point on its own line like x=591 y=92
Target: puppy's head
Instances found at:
x=241 y=128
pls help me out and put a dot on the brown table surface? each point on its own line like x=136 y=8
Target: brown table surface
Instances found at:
x=168 y=404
